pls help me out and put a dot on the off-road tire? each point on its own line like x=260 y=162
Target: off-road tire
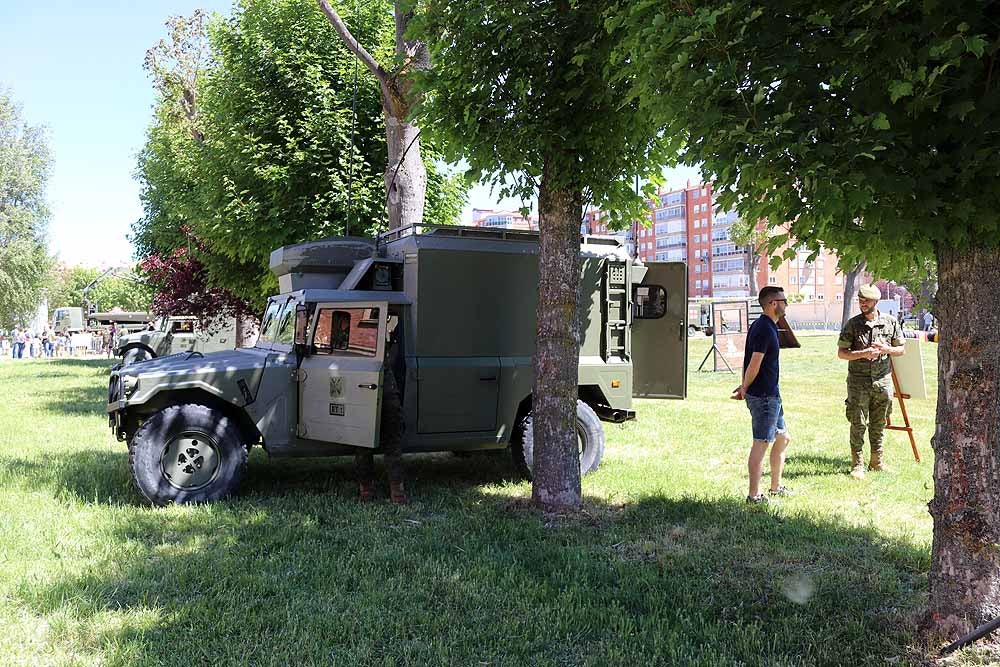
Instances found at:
x=134 y=355
x=589 y=430
x=158 y=447
x=692 y=330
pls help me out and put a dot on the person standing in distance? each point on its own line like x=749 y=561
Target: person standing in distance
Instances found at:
x=866 y=343
x=760 y=391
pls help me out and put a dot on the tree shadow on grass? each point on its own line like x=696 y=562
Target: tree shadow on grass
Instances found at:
x=77 y=400
x=814 y=465
x=102 y=476
x=472 y=578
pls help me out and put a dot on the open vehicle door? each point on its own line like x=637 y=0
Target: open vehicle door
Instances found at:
x=659 y=332
x=341 y=390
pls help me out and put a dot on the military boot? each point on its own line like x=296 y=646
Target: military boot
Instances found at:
x=857 y=465
x=366 y=490
x=397 y=493
x=876 y=462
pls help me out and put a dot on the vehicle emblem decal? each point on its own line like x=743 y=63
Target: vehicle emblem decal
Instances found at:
x=336 y=387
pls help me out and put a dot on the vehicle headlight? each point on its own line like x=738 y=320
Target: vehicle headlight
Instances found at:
x=130 y=383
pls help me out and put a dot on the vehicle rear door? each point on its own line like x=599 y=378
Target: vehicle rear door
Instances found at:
x=659 y=332
x=340 y=386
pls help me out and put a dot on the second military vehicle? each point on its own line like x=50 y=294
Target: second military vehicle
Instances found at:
x=175 y=334
x=456 y=305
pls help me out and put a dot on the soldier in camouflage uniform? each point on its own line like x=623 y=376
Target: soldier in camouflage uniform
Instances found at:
x=391 y=431
x=866 y=343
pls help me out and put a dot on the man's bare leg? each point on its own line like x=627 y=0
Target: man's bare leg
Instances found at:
x=778 y=459
x=754 y=464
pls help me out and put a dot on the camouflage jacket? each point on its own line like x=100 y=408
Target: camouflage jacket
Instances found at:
x=858 y=334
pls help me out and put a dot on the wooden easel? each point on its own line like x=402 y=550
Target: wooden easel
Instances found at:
x=715 y=348
x=906 y=419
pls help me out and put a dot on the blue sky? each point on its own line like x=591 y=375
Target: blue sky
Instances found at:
x=76 y=68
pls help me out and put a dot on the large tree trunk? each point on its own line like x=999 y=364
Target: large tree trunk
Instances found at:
x=556 y=465
x=405 y=175
x=405 y=185
x=965 y=560
x=850 y=289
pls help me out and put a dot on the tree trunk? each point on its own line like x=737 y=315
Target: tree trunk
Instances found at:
x=405 y=175
x=850 y=289
x=405 y=185
x=753 y=258
x=965 y=559
x=556 y=466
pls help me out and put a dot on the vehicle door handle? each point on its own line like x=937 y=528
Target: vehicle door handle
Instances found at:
x=367 y=386
x=489 y=379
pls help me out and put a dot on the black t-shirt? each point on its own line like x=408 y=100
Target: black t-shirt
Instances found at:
x=763 y=337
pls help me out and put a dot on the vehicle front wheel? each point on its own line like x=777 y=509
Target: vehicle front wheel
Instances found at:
x=692 y=330
x=589 y=437
x=134 y=355
x=187 y=454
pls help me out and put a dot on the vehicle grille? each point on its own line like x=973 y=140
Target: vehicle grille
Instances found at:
x=114 y=389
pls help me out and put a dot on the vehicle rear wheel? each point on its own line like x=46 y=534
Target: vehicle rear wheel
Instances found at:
x=187 y=454
x=134 y=355
x=589 y=436
x=692 y=330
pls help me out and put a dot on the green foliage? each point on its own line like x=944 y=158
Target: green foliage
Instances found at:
x=870 y=126
x=267 y=158
x=25 y=161
x=66 y=284
x=518 y=85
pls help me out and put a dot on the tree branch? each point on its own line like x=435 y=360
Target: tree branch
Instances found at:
x=352 y=43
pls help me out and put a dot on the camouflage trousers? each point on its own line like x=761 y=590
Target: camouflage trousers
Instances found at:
x=390 y=435
x=868 y=407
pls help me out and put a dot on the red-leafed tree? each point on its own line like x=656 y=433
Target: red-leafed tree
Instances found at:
x=180 y=287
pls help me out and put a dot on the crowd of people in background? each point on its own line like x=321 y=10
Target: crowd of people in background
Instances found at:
x=22 y=343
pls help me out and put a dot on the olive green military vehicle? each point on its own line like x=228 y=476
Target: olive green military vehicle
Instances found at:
x=456 y=307
x=173 y=335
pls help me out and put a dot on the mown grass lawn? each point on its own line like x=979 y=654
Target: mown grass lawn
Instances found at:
x=666 y=565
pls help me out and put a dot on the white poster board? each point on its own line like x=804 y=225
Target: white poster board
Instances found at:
x=80 y=341
x=910 y=369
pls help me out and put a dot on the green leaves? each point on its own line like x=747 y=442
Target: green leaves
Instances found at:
x=25 y=161
x=882 y=125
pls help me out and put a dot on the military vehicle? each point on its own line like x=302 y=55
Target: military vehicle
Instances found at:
x=68 y=320
x=175 y=334
x=458 y=306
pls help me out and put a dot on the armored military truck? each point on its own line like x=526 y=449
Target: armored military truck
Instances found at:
x=175 y=334
x=456 y=305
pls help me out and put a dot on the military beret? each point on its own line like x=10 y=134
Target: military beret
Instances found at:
x=869 y=292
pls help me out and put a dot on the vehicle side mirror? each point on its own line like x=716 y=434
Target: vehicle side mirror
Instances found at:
x=303 y=313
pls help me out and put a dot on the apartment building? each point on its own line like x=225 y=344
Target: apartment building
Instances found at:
x=684 y=225
x=482 y=217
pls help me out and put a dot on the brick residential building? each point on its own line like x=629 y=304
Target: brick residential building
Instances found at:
x=684 y=225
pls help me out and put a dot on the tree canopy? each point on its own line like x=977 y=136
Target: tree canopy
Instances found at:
x=868 y=126
x=66 y=285
x=258 y=147
x=25 y=161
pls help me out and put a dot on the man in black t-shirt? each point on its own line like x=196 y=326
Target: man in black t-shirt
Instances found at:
x=760 y=391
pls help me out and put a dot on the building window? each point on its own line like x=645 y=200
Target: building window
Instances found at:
x=840 y=297
x=704 y=238
x=821 y=297
x=697 y=268
x=772 y=280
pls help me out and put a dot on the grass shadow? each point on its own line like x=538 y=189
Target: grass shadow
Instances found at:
x=475 y=579
x=815 y=465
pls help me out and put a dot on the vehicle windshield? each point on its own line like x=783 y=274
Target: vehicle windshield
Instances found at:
x=272 y=318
